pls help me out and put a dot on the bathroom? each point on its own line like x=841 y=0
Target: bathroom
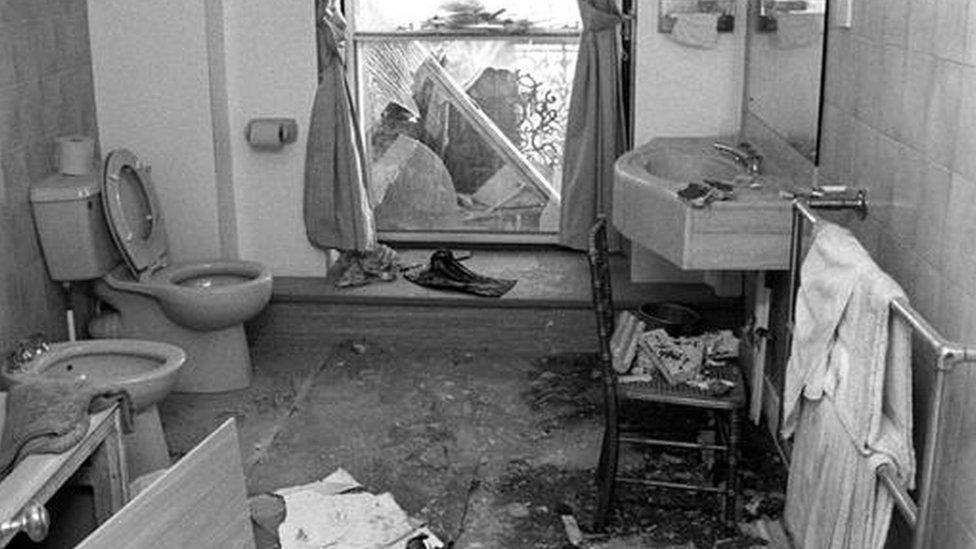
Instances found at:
x=177 y=84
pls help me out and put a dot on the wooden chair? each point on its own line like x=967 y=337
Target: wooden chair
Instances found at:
x=725 y=408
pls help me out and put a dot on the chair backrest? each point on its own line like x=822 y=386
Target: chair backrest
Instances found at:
x=599 y=258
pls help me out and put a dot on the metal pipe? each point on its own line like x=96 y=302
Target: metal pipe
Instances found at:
x=800 y=211
x=953 y=353
x=904 y=501
x=929 y=455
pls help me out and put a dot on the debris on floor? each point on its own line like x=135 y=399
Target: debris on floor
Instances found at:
x=483 y=446
x=336 y=512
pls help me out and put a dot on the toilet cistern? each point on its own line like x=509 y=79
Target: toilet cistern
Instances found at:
x=744 y=155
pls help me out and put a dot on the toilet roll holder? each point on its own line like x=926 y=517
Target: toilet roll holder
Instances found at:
x=271 y=133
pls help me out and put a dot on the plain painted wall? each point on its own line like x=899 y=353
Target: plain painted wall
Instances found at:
x=178 y=84
x=271 y=72
x=682 y=91
x=152 y=94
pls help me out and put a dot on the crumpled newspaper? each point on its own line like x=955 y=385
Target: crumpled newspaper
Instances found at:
x=325 y=514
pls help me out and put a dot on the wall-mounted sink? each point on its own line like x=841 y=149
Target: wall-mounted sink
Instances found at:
x=146 y=370
x=750 y=232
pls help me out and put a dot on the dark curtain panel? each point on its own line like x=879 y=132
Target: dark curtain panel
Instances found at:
x=596 y=131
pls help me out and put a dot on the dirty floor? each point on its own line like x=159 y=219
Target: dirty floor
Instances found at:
x=485 y=446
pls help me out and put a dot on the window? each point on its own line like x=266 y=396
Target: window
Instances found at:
x=464 y=106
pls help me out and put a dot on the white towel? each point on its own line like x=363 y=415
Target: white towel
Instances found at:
x=847 y=397
x=698 y=30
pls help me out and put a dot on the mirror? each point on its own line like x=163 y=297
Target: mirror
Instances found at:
x=783 y=82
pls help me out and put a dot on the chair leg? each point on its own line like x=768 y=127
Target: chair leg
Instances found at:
x=606 y=475
x=732 y=476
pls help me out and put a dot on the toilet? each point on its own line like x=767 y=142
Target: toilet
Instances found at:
x=108 y=227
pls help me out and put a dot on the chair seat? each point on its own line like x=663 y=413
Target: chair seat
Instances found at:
x=659 y=390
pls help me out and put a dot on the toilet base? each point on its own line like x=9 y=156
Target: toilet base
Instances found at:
x=216 y=361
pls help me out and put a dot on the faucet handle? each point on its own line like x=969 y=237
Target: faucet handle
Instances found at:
x=35 y=343
x=748 y=148
x=27 y=349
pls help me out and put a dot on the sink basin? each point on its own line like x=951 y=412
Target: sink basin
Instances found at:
x=750 y=232
x=147 y=370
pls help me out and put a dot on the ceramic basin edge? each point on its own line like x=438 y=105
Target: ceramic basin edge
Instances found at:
x=750 y=232
x=147 y=370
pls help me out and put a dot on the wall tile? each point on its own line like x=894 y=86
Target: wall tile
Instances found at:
x=970 y=58
x=950 y=21
x=869 y=19
x=899 y=261
x=893 y=69
x=867 y=58
x=942 y=115
x=896 y=23
x=927 y=293
x=930 y=226
x=46 y=90
x=921 y=25
x=919 y=82
x=908 y=176
x=965 y=154
x=959 y=249
x=836 y=150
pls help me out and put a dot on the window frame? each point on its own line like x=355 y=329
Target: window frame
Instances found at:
x=351 y=55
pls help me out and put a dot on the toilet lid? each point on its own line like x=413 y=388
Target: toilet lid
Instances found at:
x=133 y=213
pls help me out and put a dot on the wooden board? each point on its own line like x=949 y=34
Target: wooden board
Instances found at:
x=199 y=502
x=763 y=296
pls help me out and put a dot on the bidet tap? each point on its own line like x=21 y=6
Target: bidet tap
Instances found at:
x=27 y=350
x=744 y=155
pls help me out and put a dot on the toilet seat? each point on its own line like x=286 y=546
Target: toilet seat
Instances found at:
x=133 y=214
x=203 y=295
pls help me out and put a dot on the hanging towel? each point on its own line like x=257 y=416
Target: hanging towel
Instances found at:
x=337 y=209
x=847 y=397
x=698 y=30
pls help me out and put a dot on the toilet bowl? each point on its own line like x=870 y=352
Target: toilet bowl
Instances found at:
x=199 y=306
x=87 y=224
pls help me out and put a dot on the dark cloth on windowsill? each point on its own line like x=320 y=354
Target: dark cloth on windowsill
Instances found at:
x=445 y=272
x=49 y=416
x=356 y=268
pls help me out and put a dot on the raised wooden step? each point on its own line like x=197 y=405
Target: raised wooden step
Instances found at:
x=548 y=310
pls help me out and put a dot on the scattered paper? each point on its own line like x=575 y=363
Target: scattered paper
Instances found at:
x=323 y=514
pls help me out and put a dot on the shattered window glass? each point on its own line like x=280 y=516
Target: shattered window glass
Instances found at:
x=465 y=133
x=488 y=15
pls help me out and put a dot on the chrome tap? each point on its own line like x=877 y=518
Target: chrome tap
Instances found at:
x=744 y=155
x=27 y=350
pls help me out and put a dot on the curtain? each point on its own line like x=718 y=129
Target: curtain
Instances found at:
x=596 y=129
x=337 y=209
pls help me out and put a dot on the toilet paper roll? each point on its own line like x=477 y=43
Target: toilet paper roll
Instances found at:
x=74 y=154
x=271 y=133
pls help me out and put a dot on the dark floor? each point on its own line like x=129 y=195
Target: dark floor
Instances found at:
x=483 y=446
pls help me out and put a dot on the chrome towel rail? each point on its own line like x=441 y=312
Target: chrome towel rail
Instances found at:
x=948 y=354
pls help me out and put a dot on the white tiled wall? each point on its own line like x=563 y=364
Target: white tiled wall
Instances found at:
x=45 y=92
x=900 y=120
